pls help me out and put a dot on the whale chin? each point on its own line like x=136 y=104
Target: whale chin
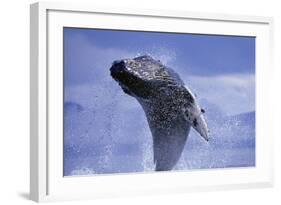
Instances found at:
x=127 y=90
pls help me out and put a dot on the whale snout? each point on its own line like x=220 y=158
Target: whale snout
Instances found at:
x=117 y=67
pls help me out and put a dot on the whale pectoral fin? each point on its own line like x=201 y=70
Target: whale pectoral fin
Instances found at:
x=168 y=147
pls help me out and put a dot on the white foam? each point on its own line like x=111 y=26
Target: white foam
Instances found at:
x=83 y=171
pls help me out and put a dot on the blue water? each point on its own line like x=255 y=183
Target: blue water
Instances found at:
x=115 y=138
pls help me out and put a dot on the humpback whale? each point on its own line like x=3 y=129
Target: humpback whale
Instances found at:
x=170 y=107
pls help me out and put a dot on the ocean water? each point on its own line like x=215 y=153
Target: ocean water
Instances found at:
x=108 y=133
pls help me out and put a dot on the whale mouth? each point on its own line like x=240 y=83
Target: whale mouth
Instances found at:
x=117 y=69
x=119 y=74
x=129 y=81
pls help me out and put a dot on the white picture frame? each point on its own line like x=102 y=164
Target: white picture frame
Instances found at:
x=46 y=179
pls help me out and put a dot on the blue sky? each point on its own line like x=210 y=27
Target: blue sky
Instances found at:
x=220 y=69
x=208 y=54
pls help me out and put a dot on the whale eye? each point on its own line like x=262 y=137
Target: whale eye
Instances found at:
x=202 y=110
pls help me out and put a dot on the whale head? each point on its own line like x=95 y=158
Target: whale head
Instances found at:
x=143 y=76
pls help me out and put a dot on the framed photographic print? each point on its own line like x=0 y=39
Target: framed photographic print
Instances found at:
x=127 y=102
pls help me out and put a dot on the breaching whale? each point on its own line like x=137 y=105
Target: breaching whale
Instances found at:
x=170 y=107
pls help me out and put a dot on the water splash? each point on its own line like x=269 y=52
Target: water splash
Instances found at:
x=83 y=171
x=165 y=55
x=147 y=157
